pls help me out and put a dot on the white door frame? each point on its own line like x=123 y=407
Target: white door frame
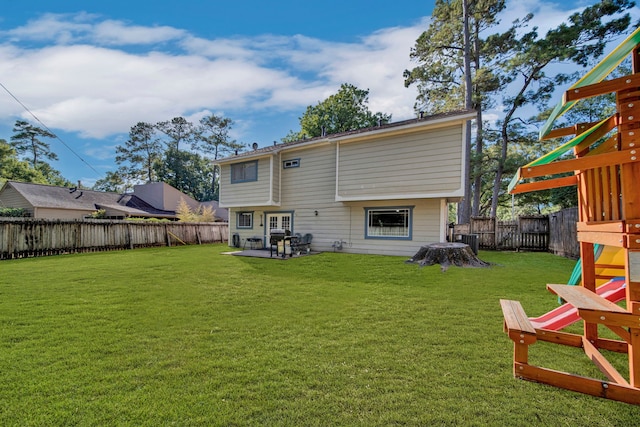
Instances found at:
x=280 y=220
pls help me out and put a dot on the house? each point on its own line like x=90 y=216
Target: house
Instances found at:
x=154 y=200
x=382 y=190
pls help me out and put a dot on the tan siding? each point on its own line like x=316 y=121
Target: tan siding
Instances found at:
x=311 y=187
x=256 y=192
x=415 y=164
x=10 y=198
x=46 y=213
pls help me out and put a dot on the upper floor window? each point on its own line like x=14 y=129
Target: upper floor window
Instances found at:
x=293 y=163
x=244 y=172
x=388 y=223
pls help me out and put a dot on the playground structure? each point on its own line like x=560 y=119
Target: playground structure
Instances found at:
x=606 y=170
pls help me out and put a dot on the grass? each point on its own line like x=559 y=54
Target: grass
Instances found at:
x=187 y=336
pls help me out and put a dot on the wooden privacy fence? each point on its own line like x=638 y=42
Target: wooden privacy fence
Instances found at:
x=563 y=234
x=527 y=233
x=25 y=237
x=555 y=232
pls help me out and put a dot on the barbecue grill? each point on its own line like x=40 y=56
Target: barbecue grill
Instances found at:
x=278 y=239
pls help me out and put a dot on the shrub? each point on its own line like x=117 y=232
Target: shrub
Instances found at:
x=14 y=212
x=202 y=214
x=99 y=214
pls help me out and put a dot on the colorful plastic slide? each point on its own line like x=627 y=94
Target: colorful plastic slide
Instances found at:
x=566 y=314
x=609 y=266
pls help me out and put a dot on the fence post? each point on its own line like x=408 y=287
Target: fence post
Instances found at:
x=78 y=240
x=129 y=236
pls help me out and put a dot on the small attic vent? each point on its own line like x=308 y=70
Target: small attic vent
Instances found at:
x=293 y=163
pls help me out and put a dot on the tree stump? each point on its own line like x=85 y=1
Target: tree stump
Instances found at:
x=447 y=254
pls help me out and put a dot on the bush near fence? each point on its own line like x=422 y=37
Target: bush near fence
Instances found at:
x=26 y=237
x=555 y=233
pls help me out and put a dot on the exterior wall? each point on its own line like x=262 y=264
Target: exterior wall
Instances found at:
x=252 y=193
x=163 y=196
x=345 y=222
x=311 y=187
x=10 y=198
x=45 y=213
x=415 y=165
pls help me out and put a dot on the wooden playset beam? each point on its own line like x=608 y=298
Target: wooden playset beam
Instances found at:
x=569 y=130
x=582 y=163
x=597 y=74
x=547 y=184
x=602 y=88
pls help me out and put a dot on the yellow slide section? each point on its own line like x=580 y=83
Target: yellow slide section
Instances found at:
x=609 y=264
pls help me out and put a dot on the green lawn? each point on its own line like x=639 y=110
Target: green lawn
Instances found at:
x=187 y=336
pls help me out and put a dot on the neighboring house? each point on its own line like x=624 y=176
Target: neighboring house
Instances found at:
x=163 y=196
x=381 y=190
x=155 y=200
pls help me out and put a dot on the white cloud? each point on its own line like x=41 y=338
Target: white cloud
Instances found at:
x=118 y=33
x=58 y=28
x=89 y=28
x=78 y=81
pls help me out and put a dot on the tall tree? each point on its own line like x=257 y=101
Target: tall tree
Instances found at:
x=212 y=138
x=341 y=112
x=14 y=169
x=581 y=39
x=27 y=140
x=178 y=130
x=139 y=153
x=468 y=104
x=114 y=182
x=455 y=71
x=188 y=172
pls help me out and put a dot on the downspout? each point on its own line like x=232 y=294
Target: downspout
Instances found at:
x=271 y=171
x=337 y=168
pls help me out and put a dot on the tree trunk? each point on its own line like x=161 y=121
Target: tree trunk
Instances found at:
x=464 y=210
x=477 y=166
x=447 y=254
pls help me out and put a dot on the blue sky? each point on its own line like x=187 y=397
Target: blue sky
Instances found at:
x=92 y=69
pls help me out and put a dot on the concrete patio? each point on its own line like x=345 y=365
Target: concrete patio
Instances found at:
x=265 y=253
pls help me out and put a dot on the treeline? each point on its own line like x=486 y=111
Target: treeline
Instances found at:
x=177 y=152
x=24 y=157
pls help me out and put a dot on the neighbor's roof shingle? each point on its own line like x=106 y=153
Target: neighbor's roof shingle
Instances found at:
x=53 y=197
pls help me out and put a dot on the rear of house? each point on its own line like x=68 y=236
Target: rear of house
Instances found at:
x=382 y=190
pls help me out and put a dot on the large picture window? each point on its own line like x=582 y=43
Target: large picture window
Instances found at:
x=388 y=223
x=244 y=172
x=244 y=220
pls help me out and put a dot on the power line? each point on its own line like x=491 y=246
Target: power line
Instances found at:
x=47 y=128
